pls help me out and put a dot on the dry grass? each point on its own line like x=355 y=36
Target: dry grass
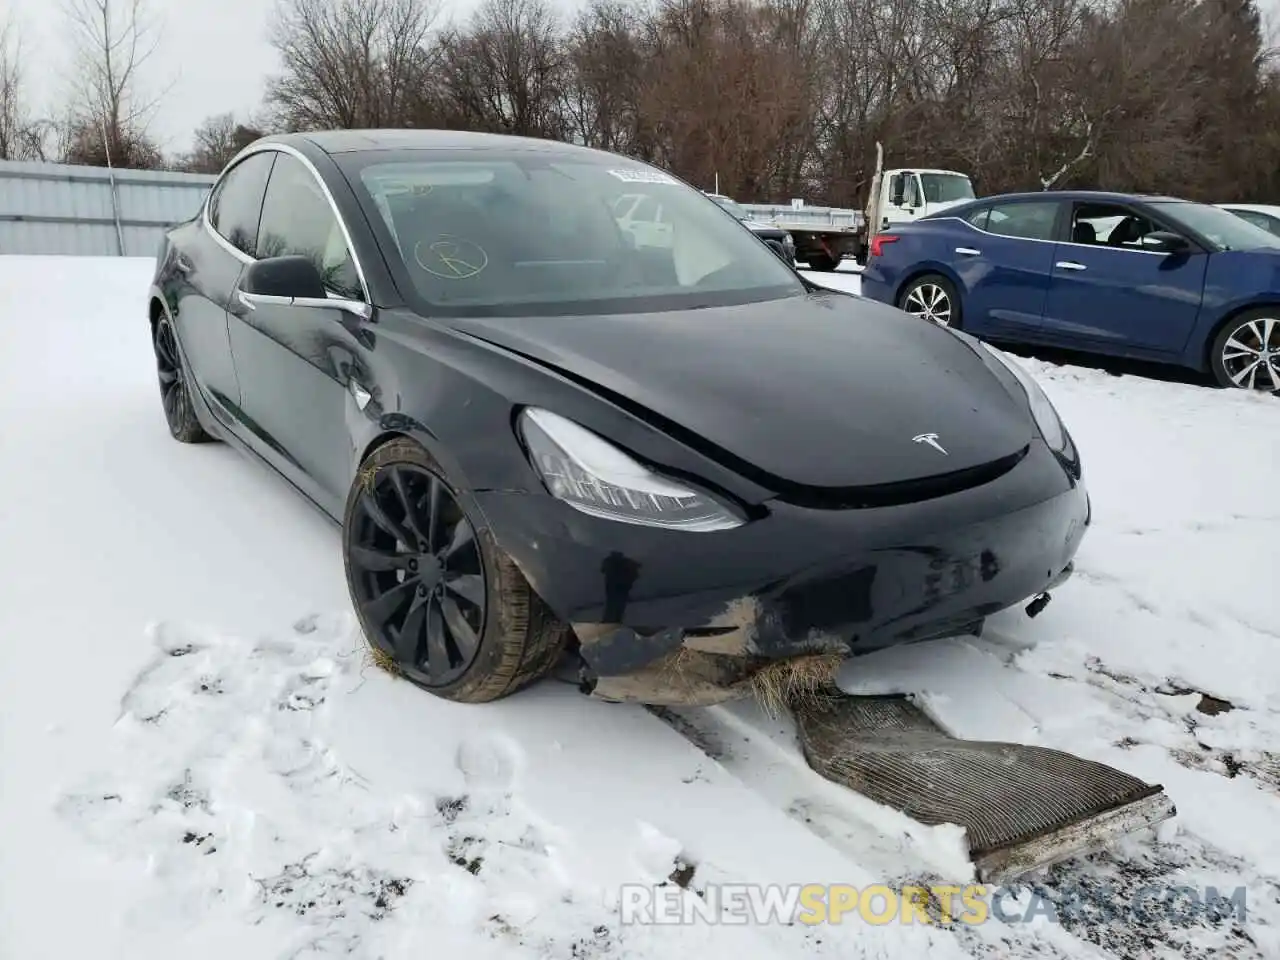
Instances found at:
x=373 y=657
x=779 y=687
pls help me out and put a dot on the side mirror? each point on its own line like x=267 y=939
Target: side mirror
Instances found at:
x=1166 y=242
x=292 y=281
x=283 y=277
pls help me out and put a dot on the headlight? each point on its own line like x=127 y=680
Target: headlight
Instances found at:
x=788 y=242
x=593 y=476
x=1046 y=417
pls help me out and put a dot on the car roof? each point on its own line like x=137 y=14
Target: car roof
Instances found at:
x=1255 y=207
x=359 y=141
x=1093 y=196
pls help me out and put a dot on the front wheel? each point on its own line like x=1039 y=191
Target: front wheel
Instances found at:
x=439 y=602
x=1246 y=351
x=932 y=297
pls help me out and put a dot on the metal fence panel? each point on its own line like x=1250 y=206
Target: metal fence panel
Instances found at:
x=54 y=208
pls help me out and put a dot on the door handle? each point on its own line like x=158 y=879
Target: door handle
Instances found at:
x=1069 y=265
x=183 y=264
x=969 y=251
x=361 y=395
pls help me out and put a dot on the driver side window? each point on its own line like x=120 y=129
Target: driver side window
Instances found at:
x=1111 y=225
x=297 y=220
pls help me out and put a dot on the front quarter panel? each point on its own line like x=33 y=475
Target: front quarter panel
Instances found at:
x=459 y=396
x=1235 y=280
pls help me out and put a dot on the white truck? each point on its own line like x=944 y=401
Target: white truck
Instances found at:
x=824 y=236
x=902 y=195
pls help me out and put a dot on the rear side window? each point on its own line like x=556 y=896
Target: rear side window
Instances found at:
x=236 y=204
x=1032 y=220
x=297 y=220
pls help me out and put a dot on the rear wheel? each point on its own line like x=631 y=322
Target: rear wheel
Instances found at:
x=824 y=262
x=932 y=297
x=1246 y=351
x=436 y=597
x=175 y=387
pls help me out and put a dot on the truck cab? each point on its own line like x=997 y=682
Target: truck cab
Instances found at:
x=907 y=195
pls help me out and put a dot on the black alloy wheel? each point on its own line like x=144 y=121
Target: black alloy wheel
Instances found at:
x=439 y=602
x=419 y=574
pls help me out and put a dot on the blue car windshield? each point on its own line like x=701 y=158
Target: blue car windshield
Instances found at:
x=519 y=233
x=1220 y=227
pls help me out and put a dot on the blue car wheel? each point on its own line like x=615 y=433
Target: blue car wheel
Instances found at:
x=932 y=297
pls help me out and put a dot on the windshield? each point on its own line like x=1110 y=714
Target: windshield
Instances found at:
x=733 y=207
x=945 y=187
x=518 y=233
x=1220 y=227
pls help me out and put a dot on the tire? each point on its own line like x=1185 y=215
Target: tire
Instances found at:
x=919 y=298
x=824 y=263
x=516 y=640
x=1229 y=357
x=175 y=386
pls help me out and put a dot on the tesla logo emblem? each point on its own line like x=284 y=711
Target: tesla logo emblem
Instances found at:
x=932 y=440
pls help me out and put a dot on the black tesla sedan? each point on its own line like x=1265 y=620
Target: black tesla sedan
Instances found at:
x=543 y=434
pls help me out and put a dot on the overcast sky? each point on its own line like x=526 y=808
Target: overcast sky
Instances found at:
x=213 y=57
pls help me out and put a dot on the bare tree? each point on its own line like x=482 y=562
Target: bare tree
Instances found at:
x=21 y=136
x=507 y=71
x=217 y=141
x=351 y=63
x=782 y=98
x=112 y=41
x=605 y=64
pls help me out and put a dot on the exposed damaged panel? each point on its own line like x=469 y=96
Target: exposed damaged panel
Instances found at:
x=731 y=633
x=689 y=678
x=1022 y=807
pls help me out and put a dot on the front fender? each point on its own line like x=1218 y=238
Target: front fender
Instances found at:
x=458 y=396
x=1235 y=280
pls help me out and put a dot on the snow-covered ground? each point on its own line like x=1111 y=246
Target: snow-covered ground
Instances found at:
x=197 y=761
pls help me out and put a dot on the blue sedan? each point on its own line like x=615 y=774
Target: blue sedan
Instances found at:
x=1148 y=278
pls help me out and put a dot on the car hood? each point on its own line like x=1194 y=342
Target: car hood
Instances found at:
x=822 y=391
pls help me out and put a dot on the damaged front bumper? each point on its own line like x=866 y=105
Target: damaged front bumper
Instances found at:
x=675 y=617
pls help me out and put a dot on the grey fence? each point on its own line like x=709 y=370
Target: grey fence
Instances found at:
x=54 y=208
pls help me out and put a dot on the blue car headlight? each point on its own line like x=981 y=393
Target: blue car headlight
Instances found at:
x=596 y=478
